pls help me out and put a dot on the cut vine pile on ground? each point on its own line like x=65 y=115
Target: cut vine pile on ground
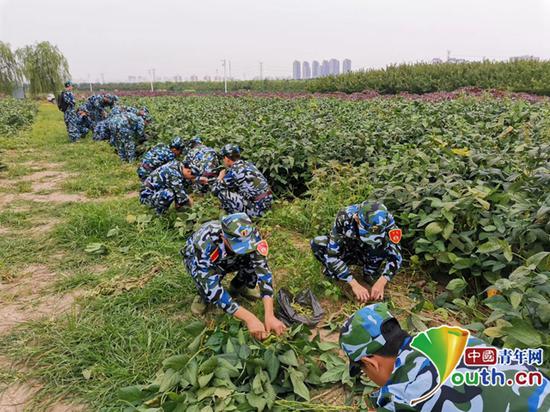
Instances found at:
x=223 y=369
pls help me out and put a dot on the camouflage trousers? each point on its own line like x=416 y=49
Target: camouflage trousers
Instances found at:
x=101 y=131
x=125 y=147
x=71 y=121
x=143 y=171
x=370 y=263
x=160 y=200
x=211 y=290
x=233 y=202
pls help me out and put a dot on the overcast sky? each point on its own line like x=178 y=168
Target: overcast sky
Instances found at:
x=127 y=37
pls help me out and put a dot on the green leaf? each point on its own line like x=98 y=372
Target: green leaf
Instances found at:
x=326 y=346
x=524 y=333
x=205 y=379
x=132 y=394
x=298 y=385
x=272 y=364
x=289 y=358
x=176 y=362
x=491 y=246
x=194 y=328
x=515 y=299
x=456 y=286
x=256 y=401
x=333 y=374
x=536 y=259
x=433 y=229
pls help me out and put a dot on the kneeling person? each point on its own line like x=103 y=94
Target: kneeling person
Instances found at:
x=159 y=155
x=363 y=234
x=242 y=187
x=232 y=245
x=377 y=346
x=164 y=186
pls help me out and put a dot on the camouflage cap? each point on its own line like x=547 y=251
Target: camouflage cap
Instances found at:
x=230 y=149
x=361 y=335
x=177 y=143
x=373 y=218
x=194 y=141
x=240 y=232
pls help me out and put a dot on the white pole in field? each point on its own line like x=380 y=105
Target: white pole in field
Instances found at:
x=224 y=76
x=151 y=79
x=90 y=82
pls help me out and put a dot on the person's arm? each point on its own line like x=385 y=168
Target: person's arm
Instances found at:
x=177 y=184
x=265 y=283
x=209 y=279
x=335 y=250
x=334 y=262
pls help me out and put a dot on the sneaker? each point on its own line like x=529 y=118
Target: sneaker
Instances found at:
x=198 y=307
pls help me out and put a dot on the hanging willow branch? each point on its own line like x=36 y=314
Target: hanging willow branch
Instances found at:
x=10 y=72
x=44 y=66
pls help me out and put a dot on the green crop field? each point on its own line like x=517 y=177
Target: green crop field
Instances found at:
x=467 y=179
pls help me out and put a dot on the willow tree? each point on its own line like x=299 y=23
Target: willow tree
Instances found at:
x=44 y=67
x=10 y=74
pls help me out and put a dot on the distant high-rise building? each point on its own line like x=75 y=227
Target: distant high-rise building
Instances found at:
x=346 y=66
x=296 y=70
x=325 y=68
x=315 y=69
x=334 y=67
x=524 y=58
x=306 y=70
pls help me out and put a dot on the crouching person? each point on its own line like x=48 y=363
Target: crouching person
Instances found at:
x=232 y=245
x=376 y=346
x=165 y=185
x=159 y=155
x=241 y=187
x=364 y=234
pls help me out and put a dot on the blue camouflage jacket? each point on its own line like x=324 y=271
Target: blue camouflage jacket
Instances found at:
x=169 y=176
x=244 y=178
x=344 y=237
x=213 y=262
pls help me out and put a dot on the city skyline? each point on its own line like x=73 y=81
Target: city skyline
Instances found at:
x=305 y=70
x=189 y=38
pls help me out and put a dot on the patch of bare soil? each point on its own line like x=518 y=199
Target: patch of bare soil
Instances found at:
x=25 y=301
x=45 y=178
x=19 y=396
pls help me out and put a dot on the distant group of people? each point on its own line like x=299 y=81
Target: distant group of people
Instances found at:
x=123 y=127
x=363 y=234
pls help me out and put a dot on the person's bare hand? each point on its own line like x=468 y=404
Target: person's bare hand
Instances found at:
x=377 y=290
x=361 y=293
x=256 y=328
x=222 y=175
x=275 y=325
x=203 y=180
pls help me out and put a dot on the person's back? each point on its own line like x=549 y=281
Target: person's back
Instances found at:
x=376 y=345
x=415 y=375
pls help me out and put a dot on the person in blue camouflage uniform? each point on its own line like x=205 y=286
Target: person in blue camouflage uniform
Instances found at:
x=363 y=234
x=159 y=155
x=83 y=121
x=241 y=187
x=101 y=130
x=202 y=163
x=232 y=245
x=70 y=116
x=125 y=130
x=376 y=345
x=96 y=105
x=164 y=186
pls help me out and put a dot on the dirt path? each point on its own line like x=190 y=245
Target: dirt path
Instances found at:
x=26 y=292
